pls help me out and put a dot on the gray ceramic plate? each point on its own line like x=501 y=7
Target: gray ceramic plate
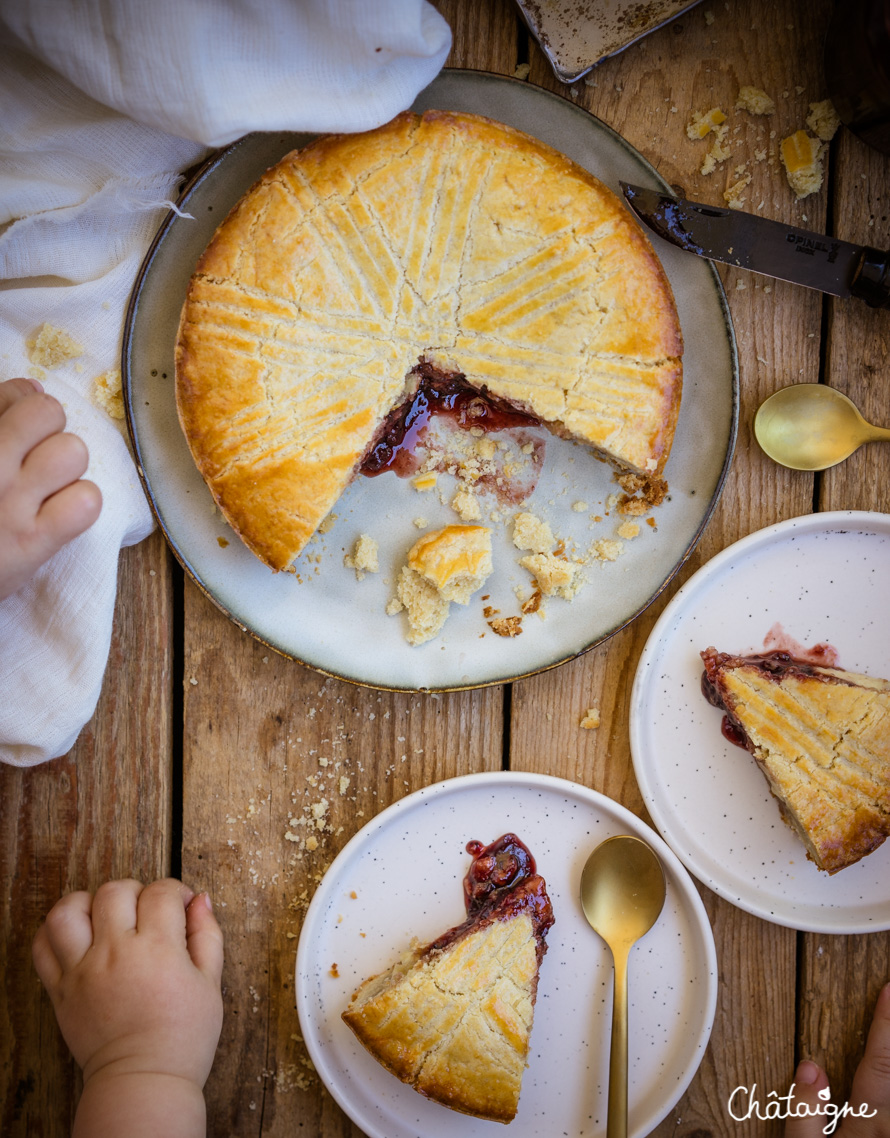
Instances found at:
x=324 y=617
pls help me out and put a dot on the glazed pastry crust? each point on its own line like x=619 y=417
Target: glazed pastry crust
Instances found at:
x=446 y=236
x=455 y=1024
x=456 y=559
x=824 y=746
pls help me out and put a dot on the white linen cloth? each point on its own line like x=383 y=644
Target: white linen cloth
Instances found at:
x=102 y=107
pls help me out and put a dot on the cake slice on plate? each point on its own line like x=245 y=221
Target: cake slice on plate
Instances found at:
x=453 y=1018
x=821 y=736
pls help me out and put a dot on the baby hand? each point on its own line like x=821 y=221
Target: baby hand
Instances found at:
x=134 y=977
x=867 y=1114
x=44 y=502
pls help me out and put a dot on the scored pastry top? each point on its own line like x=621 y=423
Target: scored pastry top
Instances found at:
x=444 y=236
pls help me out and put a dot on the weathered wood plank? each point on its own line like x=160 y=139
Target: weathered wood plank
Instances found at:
x=274 y=749
x=484 y=35
x=841 y=976
x=649 y=94
x=256 y=729
x=102 y=811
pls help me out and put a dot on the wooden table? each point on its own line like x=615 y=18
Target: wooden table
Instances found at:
x=203 y=740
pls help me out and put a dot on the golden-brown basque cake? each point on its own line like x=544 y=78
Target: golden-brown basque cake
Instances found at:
x=821 y=736
x=453 y=1018
x=446 y=238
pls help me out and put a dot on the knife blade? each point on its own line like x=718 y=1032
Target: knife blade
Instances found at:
x=765 y=246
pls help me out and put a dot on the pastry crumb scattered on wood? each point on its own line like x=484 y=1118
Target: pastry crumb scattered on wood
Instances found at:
x=755 y=101
x=823 y=120
x=802 y=158
x=591 y=719
x=700 y=126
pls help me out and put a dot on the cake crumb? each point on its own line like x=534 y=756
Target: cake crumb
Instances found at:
x=555 y=576
x=508 y=626
x=703 y=122
x=606 y=549
x=466 y=505
x=363 y=558
x=327 y=523
x=700 y=126
x=108 y=393
x=425 y=481
x=823 y=120
x=522 y=71
x=591 y=720
x=628 y=530
x=52 y=346
x=733 y=196
x=579 y=507
x=533 y=603
x=641 y=493
x=532 y=533
x=755 y=101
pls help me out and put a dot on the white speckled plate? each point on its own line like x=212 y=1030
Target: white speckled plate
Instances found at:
x=326 y=618
x=823 y=578
x=401 y=877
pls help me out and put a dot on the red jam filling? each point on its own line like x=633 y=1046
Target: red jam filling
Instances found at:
x=773 y=664
x=498 y=867
x=501 y=881
x=440 y=393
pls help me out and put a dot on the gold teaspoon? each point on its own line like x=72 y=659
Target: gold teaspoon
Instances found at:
x=810 y=427
x=622 y=894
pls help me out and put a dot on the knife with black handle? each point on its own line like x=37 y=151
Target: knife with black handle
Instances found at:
x=766 y=246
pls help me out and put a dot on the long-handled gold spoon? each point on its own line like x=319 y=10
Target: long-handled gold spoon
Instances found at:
x=810 y=427
x=622 y=894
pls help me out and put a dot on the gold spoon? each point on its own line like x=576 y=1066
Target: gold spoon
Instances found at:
x=622 y=894
x=810 y=427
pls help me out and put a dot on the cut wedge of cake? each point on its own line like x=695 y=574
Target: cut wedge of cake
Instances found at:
x=821 y=736
x=440 y=248
x=452 y=1019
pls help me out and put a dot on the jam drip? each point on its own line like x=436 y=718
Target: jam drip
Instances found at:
x=501 y=881
x=442 y=393
x=497 y=867
x=773 y=664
